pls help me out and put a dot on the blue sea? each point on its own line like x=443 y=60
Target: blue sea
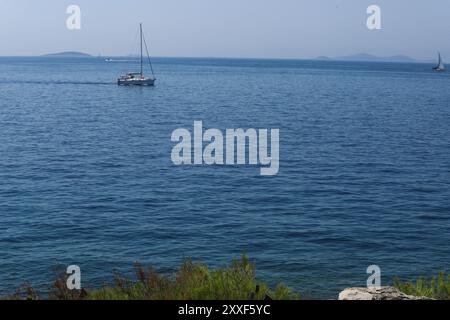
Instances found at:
x=86 y=175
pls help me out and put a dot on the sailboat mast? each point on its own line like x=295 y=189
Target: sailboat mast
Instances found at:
x=140 y=29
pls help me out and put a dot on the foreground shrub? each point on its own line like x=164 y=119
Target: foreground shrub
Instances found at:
x=193 y=281
x=435 y=288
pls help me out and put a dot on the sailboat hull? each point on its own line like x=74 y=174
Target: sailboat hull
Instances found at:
x=136 y=82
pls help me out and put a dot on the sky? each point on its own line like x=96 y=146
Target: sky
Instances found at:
x=227 y=28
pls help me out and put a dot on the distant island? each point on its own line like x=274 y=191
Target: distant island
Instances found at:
x=323 y=58
x=68 y=54
x=371 y=58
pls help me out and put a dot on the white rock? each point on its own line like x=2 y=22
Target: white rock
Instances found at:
x=376 y=293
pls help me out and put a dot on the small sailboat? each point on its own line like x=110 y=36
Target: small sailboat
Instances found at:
x=440 y=67
x=138 y=78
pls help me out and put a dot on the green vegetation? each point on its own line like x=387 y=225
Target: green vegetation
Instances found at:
x=194 y=281
x=435 y=288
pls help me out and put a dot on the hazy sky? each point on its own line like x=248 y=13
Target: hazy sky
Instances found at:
x=228 y=28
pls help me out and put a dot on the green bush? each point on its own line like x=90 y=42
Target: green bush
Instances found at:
x=193 y=281
x=435 y=288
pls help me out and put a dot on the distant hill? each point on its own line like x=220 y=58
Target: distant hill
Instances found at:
x=371 y=58
x=69 y=54
x=323 y=58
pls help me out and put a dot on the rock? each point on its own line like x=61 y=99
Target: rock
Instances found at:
x=376 y=293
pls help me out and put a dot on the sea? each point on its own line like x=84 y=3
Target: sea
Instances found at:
x=86 y=176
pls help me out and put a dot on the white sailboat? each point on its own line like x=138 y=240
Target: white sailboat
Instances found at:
x=138 y=78
x=440 y=67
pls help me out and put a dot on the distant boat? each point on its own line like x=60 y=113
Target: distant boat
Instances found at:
x=138 y=78
x=440 y=67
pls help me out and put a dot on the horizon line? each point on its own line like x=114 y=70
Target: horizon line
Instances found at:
x=318 y=58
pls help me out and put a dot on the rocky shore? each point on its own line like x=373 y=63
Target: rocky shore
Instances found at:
x=376 y=293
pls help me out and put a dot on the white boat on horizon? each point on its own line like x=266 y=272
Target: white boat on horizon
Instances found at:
x=440 y=67
x=138 y=78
